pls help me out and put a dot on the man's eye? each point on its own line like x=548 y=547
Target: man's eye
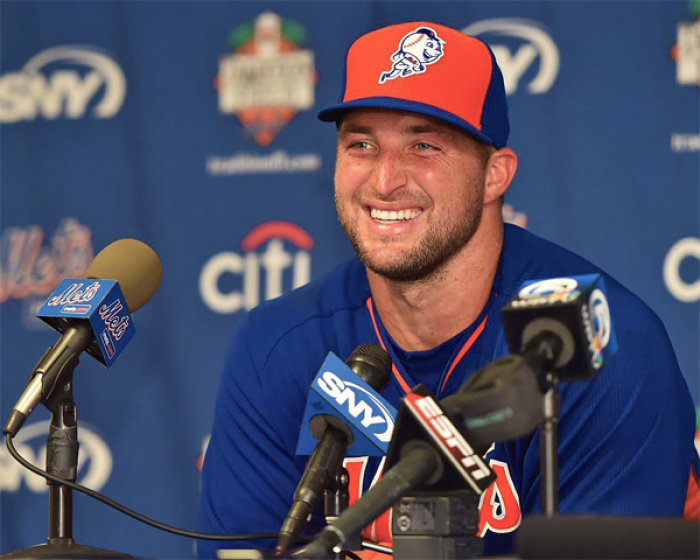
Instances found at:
x=425 y=146
x=359 y=144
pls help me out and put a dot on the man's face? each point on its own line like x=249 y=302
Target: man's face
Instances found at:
x=409 y=190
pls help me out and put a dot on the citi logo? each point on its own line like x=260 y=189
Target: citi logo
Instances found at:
x=94 y=460
x=359 y=403
x=677 y=268
x=231 y=282
x=62 y=82
x=525 y=42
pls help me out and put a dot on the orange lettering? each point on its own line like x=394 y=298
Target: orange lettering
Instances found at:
x=499 y=508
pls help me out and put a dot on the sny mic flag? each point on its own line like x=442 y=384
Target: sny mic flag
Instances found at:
x=338 y=392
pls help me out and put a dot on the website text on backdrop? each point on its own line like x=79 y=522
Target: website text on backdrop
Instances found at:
x=422 y=166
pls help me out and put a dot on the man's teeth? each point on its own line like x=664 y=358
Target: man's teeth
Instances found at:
x=393 y=215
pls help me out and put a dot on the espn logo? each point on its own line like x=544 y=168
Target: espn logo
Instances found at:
x=452 y=444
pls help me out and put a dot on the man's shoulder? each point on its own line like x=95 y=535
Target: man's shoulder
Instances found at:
x=527 y=256
x=308 y=315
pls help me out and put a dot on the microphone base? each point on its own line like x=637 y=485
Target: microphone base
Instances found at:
x=62 y=550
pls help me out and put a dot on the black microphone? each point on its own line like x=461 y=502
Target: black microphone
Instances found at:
x=138 y=270
x=561 y=325
x=427 y=453
x=373 y=364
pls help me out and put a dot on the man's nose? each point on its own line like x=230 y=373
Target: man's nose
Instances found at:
x=389 y=172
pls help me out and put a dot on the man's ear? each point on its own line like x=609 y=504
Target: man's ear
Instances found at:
x=500 y=170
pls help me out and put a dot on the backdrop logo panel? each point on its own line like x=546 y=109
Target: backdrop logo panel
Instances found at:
x=94 y=460
x=265 y=269
x=63 y=82
x=265 y=82
x=682 y=289
x=268 y=78
x=686 y=53
x=518 y=45
x=30 y=269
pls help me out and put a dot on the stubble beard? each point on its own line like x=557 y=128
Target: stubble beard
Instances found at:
x=433 y=251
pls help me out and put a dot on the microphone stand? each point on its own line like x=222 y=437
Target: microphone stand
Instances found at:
x=542 y=351
x=336 y=502
x=549 y=435
x=438 y=525
x=62 y=461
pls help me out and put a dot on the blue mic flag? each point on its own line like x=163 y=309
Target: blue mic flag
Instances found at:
x=340 y=393
x=102 y=304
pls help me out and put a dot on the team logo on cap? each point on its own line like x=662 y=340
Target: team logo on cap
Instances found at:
x=417 y=49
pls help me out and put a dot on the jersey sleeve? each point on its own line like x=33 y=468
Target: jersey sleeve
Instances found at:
x=250 y=469
x=625 y=437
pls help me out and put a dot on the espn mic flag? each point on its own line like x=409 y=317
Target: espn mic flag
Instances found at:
x=427 y=453
x=423 y=420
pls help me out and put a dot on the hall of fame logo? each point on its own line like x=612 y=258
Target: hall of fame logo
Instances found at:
x=686 y=54
x=267 y=78
x=686 y=51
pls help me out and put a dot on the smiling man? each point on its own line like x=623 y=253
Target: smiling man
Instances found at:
x=421 y=169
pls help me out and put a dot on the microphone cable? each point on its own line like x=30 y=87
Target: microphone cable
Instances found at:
x=135 y=515
x=152 y=522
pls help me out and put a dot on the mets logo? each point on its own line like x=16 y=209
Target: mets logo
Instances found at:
x=417 y=49
x=267 y=78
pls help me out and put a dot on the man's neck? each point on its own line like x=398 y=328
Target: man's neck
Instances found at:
x=422 y=314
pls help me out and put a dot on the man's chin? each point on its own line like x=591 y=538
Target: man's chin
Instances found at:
x=396 y=271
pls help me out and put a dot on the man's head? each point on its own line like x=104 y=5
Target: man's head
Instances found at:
x=421 y=165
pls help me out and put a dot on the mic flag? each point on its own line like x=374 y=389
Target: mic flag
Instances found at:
x=101 y=304
x=339 y=393
x=574 y=309
x=91 y=315
x=422 y=421
x=427 y=453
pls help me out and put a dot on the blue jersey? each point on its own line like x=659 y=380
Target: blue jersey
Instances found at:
x=625 y=437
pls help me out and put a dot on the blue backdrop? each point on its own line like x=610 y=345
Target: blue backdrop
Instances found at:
x=192 y=126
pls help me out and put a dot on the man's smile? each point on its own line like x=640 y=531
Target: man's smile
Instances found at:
x=394 y=216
